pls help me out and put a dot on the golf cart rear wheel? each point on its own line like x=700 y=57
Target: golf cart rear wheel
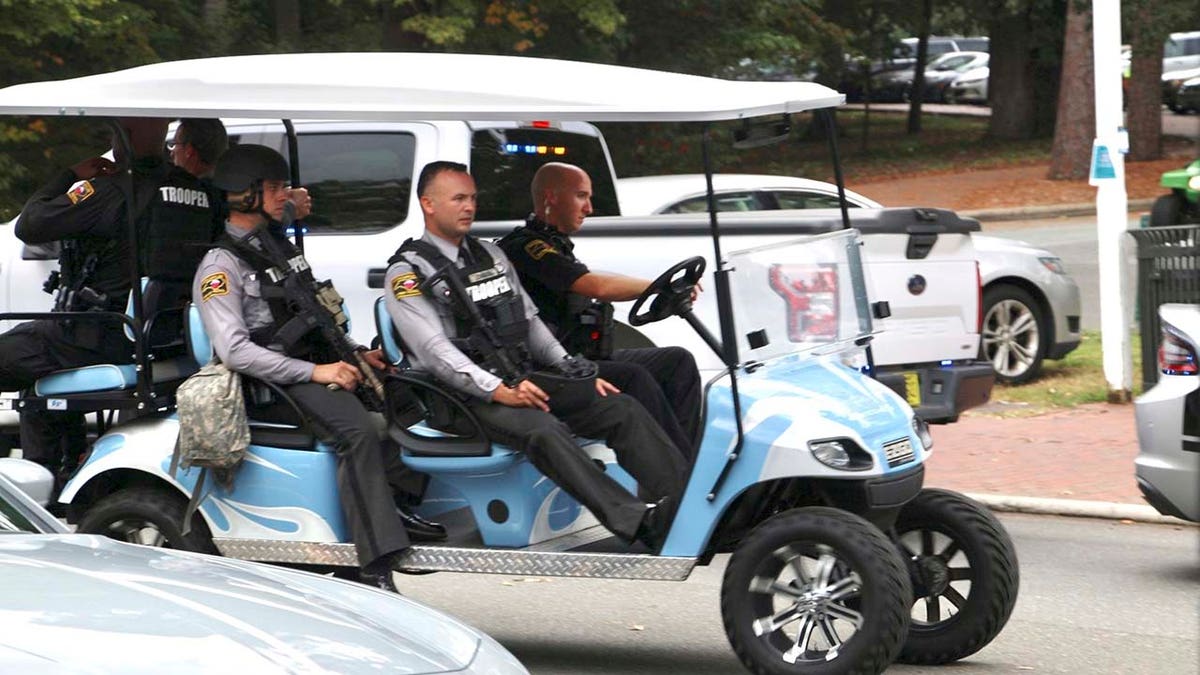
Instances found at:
x=964 y=576
x=815 y=590
x=149 y=516
x=1168 y=210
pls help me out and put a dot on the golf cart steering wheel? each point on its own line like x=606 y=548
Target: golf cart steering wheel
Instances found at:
x=670 y=294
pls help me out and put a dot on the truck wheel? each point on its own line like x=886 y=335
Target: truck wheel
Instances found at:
x=815 y=590
x=148 y=516
x=1014 y=333
x=964 y=576
x=1168 y=210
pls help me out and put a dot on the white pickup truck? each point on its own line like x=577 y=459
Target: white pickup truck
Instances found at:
x=361 y=174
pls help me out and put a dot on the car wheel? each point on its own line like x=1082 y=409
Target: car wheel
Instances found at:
x=1014 y=333
x=1168 y=210
x=964 y=576
x=816 y=590
x=149 y=516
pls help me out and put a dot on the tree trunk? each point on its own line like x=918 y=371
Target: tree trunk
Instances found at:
x=1011 y=73
x=213 y=13
x=287 y=24
x=1075 y=123
x=917 y=94
x=1143 y=116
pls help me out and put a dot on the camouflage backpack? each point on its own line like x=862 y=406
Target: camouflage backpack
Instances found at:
x=213 y=432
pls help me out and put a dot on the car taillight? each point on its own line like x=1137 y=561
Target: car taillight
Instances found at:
x=1175 y=355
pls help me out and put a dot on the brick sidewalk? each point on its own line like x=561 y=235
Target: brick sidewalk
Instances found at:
x=1085 y=453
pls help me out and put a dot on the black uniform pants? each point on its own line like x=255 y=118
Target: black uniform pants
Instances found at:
x=665 y=381
x=37 y=348
x=364 y=468
x=641 y=447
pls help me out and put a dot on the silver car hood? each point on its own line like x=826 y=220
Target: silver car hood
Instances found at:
x=87 y=604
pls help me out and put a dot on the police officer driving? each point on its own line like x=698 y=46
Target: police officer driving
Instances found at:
x=461 y=314
x=248 y=290
x=575 y=303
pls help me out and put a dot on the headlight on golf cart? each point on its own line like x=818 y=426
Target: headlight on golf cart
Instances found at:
x=840 y=453
x=921 y=427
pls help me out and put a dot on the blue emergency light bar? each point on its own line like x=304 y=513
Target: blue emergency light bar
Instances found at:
x=521 y=149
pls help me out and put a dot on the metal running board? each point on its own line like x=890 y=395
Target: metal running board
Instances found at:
x=478 y=560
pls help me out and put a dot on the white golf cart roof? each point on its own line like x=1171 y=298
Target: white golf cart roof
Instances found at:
x=400 y=86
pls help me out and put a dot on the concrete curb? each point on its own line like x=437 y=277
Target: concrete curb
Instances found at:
x=1077 y=508
x=1050 y=211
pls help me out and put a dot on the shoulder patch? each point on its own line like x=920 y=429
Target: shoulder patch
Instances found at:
x=214 y=285
x=539 y=248
x=405 y=286
x=80 y=191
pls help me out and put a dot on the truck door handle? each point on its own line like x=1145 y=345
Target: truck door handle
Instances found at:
x=375 y=277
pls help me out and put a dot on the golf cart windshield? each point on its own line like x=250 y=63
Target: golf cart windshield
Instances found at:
x=800 y=296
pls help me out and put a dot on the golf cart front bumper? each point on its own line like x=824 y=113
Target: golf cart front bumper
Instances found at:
x=876 y=499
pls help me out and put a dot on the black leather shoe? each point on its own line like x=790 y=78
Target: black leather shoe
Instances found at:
x=420 y=529
x=378 y=574
x=656 y=524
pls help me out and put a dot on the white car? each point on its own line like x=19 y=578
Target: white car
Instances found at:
x=970 y=87
x=1168 y=419
x=1031 y=308
x=75 y=603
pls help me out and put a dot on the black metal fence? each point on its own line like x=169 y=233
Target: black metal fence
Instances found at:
x=1168 y=271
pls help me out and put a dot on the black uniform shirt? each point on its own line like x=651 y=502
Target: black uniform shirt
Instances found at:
x=546 y=263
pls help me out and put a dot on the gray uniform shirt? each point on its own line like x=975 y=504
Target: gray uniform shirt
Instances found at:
x=229 y=297
x=426 y=324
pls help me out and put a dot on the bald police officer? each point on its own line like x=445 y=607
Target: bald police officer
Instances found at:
x=663 y=379
x=517 y=413
x=238 y=289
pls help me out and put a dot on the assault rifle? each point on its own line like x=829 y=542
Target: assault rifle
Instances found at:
x=483 y=339
x=319 y=306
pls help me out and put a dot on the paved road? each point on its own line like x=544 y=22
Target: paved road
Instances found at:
x=1096 y=596
x=1073 y=239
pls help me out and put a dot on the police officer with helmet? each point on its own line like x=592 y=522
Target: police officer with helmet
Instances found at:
x=86 y=208
x=575 y=303
x=259 y=330
x=462 y=315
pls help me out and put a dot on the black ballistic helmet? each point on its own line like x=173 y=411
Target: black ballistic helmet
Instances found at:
x=241 y=166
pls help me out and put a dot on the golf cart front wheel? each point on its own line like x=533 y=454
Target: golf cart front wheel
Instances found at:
x=815 y=591
x=149 y=516
x=964 y=576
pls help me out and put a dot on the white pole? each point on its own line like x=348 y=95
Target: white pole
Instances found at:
x=1108 y=175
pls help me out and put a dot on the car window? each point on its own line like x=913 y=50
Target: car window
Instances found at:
x=973 y=44
x=939 y=47
x=953 y=61
x=792 y=199
x=503 y=162
x=1182 y=46
x=726 y=201
x=360 y=182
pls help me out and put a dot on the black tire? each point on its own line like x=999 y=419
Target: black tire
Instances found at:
x=954 y=546
x=148 y=516
x=856 y=575
x=1015 y=333
x=1168 y=210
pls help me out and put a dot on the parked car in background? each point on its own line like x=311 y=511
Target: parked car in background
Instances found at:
x=905 y=54
x=1172 y=89
x=969 y=87
x=897 y=85
x=75 y=603
x=1031 y=306
x=1181 y=51
x=1168 y=419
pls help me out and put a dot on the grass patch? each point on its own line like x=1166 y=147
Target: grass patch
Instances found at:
x=1078 y=378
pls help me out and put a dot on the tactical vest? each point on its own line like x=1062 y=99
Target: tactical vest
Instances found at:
x=298 y=334
x=489 y=289
x=178 y=227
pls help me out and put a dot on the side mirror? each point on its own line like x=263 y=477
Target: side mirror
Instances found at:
x=34 y=480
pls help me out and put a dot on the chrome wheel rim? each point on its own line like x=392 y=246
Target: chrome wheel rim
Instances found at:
x=137 y=531
x=942 y=575
x=1010 y=338
x=806 y=600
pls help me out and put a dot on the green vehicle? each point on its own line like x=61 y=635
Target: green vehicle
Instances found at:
x=1182 y=205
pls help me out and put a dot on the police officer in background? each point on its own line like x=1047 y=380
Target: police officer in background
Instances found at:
x=430 y=321
x=197 y=144
x=664 y=380
x=240 y=292
x=86 y=208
